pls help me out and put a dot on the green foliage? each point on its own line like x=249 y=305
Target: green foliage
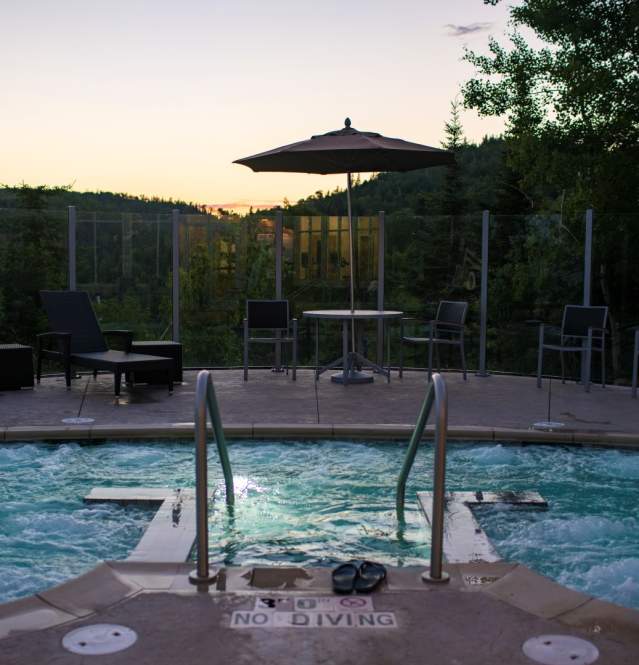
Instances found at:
x=473 y=187
x=572 y=106
x=452 y=201
x=33 y=256
x=58 y=198
x=572 y=111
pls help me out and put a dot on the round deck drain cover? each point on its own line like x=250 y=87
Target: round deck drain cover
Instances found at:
x=560 y=650
x=99 y=639
x=78 y=421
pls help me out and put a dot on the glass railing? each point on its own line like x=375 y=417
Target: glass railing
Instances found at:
x=223 y=261
x=316 y=274
x=124 y=261
x=33 y=256
x=535 y=268
x=429 y=259
x=615 y=283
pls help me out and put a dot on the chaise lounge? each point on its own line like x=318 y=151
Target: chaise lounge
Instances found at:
x=78 y=339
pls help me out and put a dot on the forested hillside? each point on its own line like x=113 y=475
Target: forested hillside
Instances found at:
x=58 y=198
x=482 y=182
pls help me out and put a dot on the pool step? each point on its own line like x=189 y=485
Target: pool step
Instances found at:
x=464 y=539
x=170 y=536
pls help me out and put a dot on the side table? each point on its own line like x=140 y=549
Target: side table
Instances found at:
x=164 y=350
x=16 y=366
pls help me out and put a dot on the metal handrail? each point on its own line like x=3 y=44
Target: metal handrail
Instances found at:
x=205 y=401
x=437 y=394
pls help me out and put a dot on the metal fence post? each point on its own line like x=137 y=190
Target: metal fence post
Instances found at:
x=381 y=250
x=279 y=239
x=483 y=301
x=587 y=277
x=72 y=248
x=175 y=275
x=588 y=257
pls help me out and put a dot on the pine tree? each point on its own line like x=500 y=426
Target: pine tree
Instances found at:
x=452 y=196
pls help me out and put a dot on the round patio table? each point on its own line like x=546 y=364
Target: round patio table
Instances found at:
x=349 y=360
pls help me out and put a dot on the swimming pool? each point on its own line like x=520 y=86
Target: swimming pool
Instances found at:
x=317 y=503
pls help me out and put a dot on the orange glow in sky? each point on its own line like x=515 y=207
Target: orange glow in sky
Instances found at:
x=158 y=98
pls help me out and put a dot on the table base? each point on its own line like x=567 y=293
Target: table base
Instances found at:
x=352 y=377
x=351 y=362
x=350 y=373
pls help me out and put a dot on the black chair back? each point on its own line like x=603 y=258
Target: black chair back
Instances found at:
x=452 y=311
x=271 y=314
x=578 y=318
x=72 y=312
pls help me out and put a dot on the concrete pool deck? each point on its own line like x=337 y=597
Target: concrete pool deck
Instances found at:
x=482 y=616
x=496 y=407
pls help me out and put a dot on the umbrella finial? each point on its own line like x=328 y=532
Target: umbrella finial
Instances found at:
x=347 y=122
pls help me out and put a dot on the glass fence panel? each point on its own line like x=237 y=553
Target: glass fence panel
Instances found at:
x=615 y=283
x=33 y=256
x=535 y=269
x=223 y=261
x=124 y=262
x=316 y=275
x=430 y=259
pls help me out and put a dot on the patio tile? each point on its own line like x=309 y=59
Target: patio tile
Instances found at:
x=506 y=404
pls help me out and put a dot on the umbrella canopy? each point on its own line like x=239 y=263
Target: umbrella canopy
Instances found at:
x=348 y=150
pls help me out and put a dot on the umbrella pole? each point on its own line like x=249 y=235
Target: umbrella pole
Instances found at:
x=350 y=247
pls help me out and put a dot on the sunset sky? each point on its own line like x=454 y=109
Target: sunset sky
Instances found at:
x=158 y=98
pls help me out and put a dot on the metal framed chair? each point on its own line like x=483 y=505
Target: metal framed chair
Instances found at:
x=273 y=316
x=635 y=364
x=583 y=330
x=446 y=328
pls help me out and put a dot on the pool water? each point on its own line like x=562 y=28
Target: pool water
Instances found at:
x=318 y=503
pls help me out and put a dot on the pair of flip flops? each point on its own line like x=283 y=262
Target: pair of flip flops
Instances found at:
x=358 y=576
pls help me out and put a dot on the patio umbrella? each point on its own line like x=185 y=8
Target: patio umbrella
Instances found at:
x=348 y=151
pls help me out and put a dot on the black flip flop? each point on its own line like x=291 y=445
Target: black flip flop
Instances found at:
x=344 y=577
x=370 y=576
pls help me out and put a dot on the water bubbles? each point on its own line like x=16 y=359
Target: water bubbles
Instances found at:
x=318 y=502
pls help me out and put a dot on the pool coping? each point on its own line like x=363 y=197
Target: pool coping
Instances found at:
x=113 y=582
x=316 y=430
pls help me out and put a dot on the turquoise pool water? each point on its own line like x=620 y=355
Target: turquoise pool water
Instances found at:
x=322 y=502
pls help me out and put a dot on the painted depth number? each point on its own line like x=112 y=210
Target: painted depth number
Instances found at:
x=319 y=612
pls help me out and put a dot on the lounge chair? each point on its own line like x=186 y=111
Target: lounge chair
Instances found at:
x=79 y=341
x=446 y=328
x=271 y=315
x=583 y=330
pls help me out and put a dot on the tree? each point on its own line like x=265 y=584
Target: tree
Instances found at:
x=572 y=106
x=572 y=112
x=32 y=257
x=452 y=196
